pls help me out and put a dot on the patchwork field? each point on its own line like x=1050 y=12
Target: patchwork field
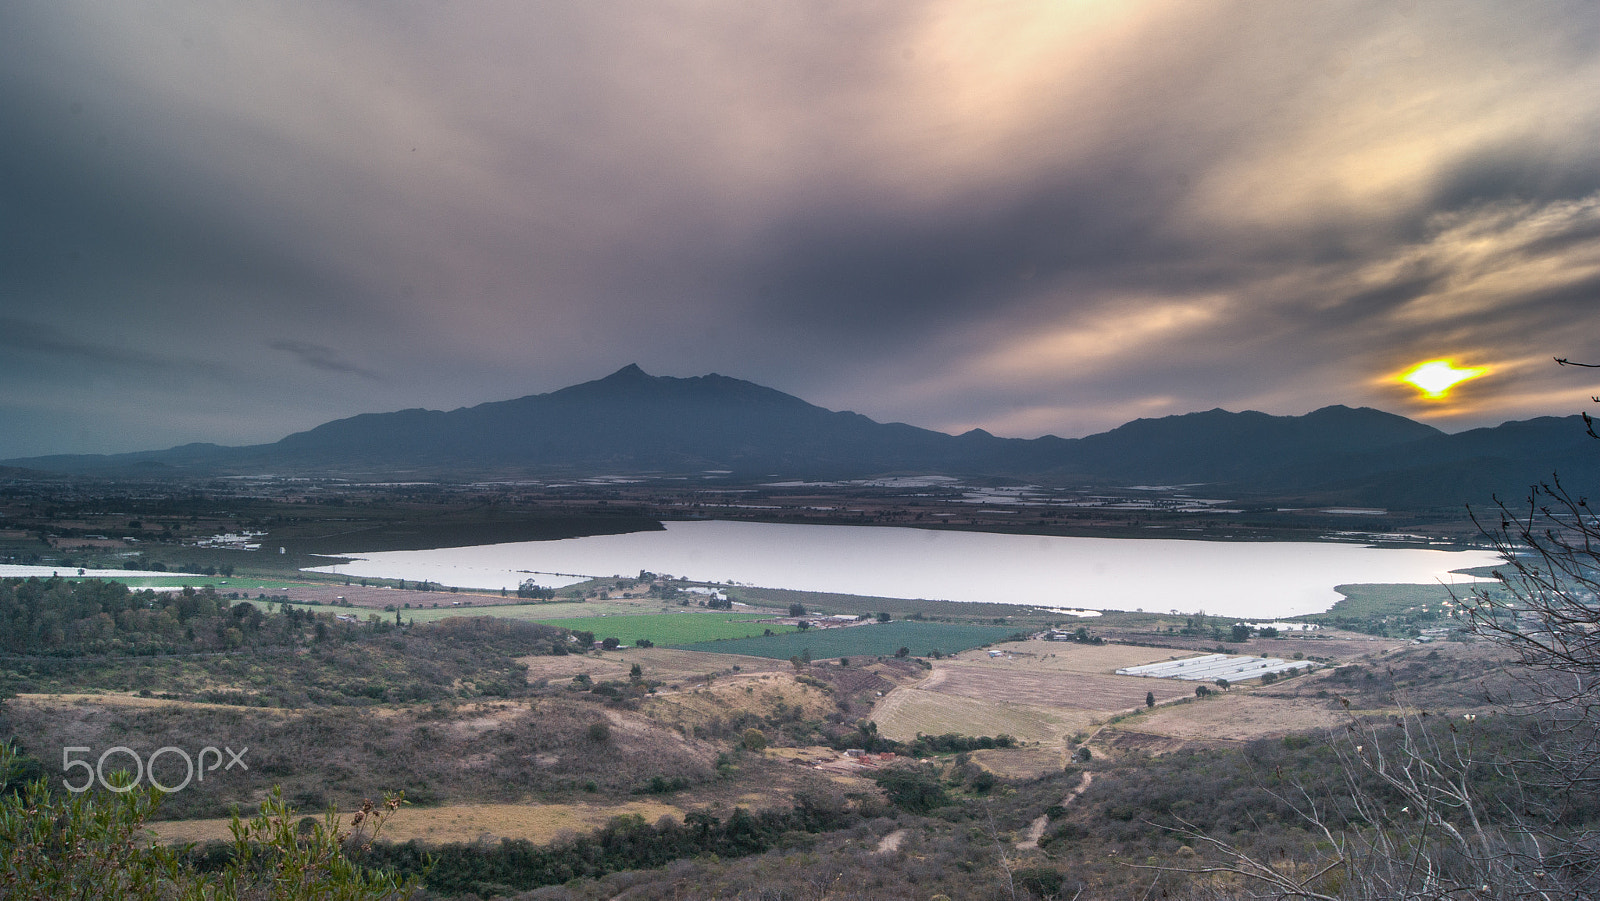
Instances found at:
x=673 y=629
x=1034 y=691
x=482 y=605
x=1068 y=657
x=874 y=640
x=1059 y=693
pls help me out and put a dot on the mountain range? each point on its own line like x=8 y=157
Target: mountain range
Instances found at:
x=631 y=423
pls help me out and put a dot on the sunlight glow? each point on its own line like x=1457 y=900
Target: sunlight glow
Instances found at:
x=1435 y=378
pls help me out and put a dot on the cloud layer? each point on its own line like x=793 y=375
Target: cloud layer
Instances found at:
x=227 y=222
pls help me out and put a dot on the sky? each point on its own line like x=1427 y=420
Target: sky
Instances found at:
x=228 y=222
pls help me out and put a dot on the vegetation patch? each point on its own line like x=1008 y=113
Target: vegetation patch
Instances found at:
x=1394 y=610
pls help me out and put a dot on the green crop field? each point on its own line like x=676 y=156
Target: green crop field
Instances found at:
x=875 y=640
x=671 y=629
x=663 y=629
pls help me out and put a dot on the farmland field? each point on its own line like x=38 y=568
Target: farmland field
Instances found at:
x=556 y=613
x=672 y=629
x=876 y=640
x=1239 y=717
x=907 y=711
x=1070 y=657
x=1069 y=691
x=1048 y=691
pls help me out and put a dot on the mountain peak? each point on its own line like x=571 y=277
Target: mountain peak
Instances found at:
x=630 y=372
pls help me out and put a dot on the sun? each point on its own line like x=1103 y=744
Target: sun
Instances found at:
x=1435 y=378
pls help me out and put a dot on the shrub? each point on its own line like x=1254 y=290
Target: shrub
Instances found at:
x=912 y=788
x=91 y=845
x=1039 y=881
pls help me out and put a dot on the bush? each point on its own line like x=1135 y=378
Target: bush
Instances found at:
x=1039 y=881
x=90 y=845
x=912 y=789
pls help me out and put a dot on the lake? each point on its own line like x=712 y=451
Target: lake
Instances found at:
x=1243 y=579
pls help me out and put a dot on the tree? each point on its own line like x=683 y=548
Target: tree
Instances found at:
x=1149 y=699
x=531 y=590
x=902 y=652
x=797 y=610
x=884 y=617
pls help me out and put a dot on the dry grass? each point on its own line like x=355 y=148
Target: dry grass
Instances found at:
x=756 y=693
x=1023 y=763
x=463 y=822
x=1066 y=657
x=659 y=665
x=908 y=711
x=126 y=700
x=1053 y=690
x=1036 y=691
x=1048 y=691
x=1238 y=716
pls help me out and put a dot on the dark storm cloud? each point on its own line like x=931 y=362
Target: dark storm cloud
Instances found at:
x=854 y=269
x=23 y=339
x=1029 y=217
x=318 y=356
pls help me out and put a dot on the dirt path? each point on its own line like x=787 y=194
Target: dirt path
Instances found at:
x=891 y=842
x=1037 y=827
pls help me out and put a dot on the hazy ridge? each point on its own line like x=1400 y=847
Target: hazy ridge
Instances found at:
x=633 y=423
